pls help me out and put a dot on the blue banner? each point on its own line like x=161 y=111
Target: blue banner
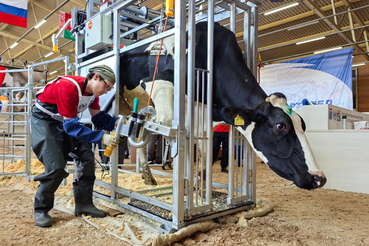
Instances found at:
x=322 y=79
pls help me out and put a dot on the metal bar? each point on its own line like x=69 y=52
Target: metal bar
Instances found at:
x=197 y=134
x=240 y=5
x=210 y=60
x=133 y=209
x=116 y=47
x=232 y=19
x=135 y=195
x=140 y=27
x=179 y=113
x=201 y=142
x=223 y=213
x=230 y=164
x=238 y=199
x=95 y=59
x=190 y=101
x=246 y=37
x=148 y=40
x=254 y=41
x=13 y=71
x=199 y=209
x=245 y=167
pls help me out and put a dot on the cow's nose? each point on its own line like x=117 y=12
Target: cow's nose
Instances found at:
x=319 y=181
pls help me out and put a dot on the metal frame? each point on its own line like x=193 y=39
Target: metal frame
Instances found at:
x=12 y=122
x=182 y=138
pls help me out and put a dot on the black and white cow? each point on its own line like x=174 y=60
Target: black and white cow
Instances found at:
x=272 y=128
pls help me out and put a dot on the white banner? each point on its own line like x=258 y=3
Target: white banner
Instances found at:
x=321 y=79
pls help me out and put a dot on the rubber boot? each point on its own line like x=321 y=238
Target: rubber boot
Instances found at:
x=83 y=199
x=42 y=219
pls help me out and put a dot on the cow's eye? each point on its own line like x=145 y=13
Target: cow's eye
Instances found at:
x=281 y=126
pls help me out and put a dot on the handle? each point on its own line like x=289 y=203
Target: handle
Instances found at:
x=109 y=150
x=135 y=105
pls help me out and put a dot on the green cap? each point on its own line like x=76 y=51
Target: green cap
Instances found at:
x=105 y=71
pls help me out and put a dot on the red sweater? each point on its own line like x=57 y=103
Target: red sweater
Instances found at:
x=221 y=128
x=64 y=94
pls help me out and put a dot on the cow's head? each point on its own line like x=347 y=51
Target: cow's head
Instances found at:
x=277 y=134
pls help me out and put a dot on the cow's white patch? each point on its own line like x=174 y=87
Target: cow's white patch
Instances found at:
x=168 y=44
x=296 y=121
x=248 y=134
x=163 y=97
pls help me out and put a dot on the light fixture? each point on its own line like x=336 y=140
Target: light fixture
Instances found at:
x=322 y=51
x=283 y=8
x=358 y=64
x=53 y=72
x=49 y=54
x=302 y=25
x=310 y=40
x=40 y=24
x=13 y=45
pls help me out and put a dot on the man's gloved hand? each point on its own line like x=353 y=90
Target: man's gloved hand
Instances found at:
x=109 y=140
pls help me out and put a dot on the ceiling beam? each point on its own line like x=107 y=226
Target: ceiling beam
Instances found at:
x=38 y=41
x=9 y=35
x=361 y=22
x=289 y=42
x=356 y=17
x=296 y=17
x=4 y=26
x=313 y=6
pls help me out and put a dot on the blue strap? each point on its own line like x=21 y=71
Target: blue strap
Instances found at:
x=104 y=121
x=81 y=132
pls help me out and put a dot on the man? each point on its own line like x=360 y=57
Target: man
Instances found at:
x=221 y=137
x=152 y=156
x=57 y=133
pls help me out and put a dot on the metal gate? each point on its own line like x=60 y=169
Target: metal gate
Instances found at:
x=193 y=198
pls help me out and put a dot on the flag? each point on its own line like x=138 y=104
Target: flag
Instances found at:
x=14 y=12
x=63 y=18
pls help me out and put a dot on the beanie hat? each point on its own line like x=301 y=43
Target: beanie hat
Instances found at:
x=105 y=71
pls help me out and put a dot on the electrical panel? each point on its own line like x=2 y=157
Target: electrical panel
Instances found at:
x=98 y=32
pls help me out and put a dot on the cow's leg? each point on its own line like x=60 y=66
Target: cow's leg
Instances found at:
x=146 y=173
x=163 y=99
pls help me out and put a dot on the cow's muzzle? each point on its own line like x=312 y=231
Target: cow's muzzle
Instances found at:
x=319 y=181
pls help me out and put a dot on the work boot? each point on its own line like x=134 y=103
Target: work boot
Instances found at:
x=83 y=199
x=42 y=219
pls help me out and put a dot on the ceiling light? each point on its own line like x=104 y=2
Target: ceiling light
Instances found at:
x=40 y=24
x=358 y=64
x=49 y=54
x=302 y=25
x=53 y=72
x=322 y=51
x=283 y=8
x=13 y=45
x=310 y=40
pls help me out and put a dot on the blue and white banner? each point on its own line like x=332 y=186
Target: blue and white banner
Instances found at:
x=322 y=79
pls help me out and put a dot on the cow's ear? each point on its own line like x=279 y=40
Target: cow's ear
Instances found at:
x=261 y=112
x=230 y=114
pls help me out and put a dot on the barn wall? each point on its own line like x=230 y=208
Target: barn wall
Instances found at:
x=363 y=83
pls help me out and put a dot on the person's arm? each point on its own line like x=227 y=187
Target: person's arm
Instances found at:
x=78 y=130
x=102 y=120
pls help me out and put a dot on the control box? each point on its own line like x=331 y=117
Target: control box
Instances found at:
x=98 y=30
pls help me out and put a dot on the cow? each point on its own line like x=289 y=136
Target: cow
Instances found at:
x=273 y=129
